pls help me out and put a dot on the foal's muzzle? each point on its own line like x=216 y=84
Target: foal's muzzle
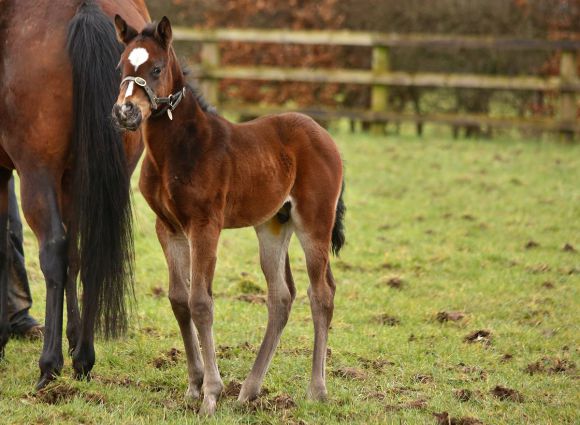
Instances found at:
x=127 y=116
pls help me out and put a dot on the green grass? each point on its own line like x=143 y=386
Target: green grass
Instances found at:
x=451 y=219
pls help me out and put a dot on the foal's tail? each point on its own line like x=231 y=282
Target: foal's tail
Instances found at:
x=338 y=237
x=102 y=221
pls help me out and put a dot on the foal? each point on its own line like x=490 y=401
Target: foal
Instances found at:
x=201 y=174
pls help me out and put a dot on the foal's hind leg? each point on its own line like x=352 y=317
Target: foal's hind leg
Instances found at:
x=315 y=243
x=274 y=240
x=176 y=249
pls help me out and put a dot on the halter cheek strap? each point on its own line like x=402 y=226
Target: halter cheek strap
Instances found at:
x=160 y=105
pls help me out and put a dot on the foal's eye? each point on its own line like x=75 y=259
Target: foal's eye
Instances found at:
x=156 y=71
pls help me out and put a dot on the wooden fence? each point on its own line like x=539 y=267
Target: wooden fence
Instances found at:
x=380 y=77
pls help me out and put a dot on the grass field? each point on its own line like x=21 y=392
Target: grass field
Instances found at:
x=445 y=239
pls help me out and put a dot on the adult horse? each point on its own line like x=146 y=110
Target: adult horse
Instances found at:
x=281 y=174
x=58 y=80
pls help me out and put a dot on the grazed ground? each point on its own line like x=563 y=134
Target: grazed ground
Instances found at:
x=457 y=303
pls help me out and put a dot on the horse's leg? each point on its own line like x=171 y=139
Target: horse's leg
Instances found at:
x=40 y=206
x=276 y=267
x=203 y=242
x=4 y=320
x=73 y=315
x=176 y=249
x=315 y=240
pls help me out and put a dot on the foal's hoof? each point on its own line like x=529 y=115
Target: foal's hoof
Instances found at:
x=208 y=406
x=193 y=393
x=317 y=393
x=249 y=392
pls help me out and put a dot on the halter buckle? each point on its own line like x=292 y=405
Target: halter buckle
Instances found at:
x=140 y=81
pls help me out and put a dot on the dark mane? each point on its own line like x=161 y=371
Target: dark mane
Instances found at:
x=203 y=103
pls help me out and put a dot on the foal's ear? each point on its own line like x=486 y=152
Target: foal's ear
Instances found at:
x=163 y=32
x=125 y=32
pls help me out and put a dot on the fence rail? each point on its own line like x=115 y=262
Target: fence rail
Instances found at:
x=380 y=77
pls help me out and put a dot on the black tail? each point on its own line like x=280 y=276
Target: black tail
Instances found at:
x=100 y=177
x=338 y=238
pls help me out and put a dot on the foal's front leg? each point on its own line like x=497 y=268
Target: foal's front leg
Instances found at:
x=203 y=242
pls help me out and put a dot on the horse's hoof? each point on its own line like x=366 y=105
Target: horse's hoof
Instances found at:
x=249 y=392
x=45 y=379
x=208 y=407
x=82 y=376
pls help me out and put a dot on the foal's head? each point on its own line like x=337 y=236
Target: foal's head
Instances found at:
x=150 y=74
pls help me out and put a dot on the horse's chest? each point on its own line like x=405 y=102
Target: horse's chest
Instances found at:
x=161 y=198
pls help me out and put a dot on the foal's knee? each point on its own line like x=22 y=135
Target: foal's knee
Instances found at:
x=201 y=308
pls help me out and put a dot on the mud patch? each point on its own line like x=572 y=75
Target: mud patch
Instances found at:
x=351 y=373
x=387 y=320
x=507 y=394
x=449 y=316
x=506 y=358
x=415 y=404
x=531 y=244
x=167 y=359
x=482 y=336
x=548 y=285
x=568 y=248
x=423 y=378
x=443 y=418
x=252 y=298
x=248 y=286
x=281 y=402
x=463 y=394
x=551 y=366
x=60 y=393
x=232 y=389
x=157 y=292
x=395 y=282
x=378 y=365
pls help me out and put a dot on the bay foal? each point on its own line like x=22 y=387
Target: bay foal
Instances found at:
x=280 y=174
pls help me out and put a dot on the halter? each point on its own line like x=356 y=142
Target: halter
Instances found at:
x=167 y=104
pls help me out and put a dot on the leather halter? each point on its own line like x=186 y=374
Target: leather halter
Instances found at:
x=160 y=105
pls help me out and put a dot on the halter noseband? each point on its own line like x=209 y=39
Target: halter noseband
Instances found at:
x=167 y=104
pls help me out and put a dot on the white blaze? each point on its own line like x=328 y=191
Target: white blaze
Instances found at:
x=138 y=57
x=129 y=91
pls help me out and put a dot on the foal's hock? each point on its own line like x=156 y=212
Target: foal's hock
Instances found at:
x=281 y=174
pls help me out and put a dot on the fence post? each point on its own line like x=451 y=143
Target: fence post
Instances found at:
x=210 y=59
x=567 y=108
x=379 y=93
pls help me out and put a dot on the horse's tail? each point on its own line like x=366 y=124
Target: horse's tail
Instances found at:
x=338 y=237
x=100 y=179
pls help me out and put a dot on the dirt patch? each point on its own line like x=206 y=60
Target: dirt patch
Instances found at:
x=387 y=320
x=481 y=336
x=468 y=217
x=507 y=357
x=449 y=316
x=568 y=248
x=548 y=285
x=423 y=378
x=415 y=404
x=232 y=389
x=472 y=373
x=247 y=286
x=60 y=393
x=252 y=298
x=395 y=282
x=443 y=418
x=351 y=373
x=507 y=394
x=550 y=365
x=167 y=359
x=531 y=244
x=157 y=292
x=539 y=268
x=280 y=402
x=463 y=394
x=378 y=365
